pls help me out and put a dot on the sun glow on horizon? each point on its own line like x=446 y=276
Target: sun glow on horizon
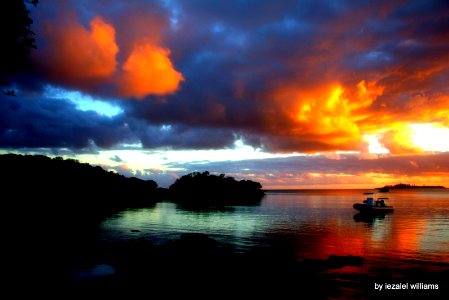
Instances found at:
x=430 y=137
x=409 y=138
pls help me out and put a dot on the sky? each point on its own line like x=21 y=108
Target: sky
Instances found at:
x=293 y=94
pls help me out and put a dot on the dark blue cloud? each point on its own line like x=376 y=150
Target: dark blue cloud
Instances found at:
x=40 y=122
x=57 y=123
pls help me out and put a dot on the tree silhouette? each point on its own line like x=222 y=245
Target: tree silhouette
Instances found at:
x=65 y=186
x=17 y=40
x=205 y=189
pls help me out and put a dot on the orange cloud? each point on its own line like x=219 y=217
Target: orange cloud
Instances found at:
x=80 y=54
x=329 y=115
x=86 y=58
x=363 y=117
x=398 y=139
x=148 y=70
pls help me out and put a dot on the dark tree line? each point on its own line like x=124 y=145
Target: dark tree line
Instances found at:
x=74 y=188
x=51 y=185
x=204 y=189
x=51 y=209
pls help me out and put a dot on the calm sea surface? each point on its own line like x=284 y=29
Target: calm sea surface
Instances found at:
x=309 y=223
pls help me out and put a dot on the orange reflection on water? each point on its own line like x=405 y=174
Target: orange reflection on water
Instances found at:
x=332 y=245
x=406 y=236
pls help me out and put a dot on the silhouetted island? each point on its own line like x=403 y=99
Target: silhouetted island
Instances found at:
x=410 y=186
x=205 y=189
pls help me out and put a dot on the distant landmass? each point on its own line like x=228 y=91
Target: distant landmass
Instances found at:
x=409 y=186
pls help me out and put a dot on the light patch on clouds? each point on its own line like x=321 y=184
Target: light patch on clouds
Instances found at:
x=170 y=163
x=82 y=101
x=374 y=146
x=430 y=137
x=416 y=138
x=166 y=159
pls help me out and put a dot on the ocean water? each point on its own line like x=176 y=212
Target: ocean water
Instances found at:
x=315 y=223
x=312 y=224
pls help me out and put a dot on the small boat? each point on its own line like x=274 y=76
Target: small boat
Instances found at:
x=373 y=206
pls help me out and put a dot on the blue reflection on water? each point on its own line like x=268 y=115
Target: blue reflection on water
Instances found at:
x=316 y=223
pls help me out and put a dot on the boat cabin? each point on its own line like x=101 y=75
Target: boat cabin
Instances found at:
x=369 y=199
x=379 y=202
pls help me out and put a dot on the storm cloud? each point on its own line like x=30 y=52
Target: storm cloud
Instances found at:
x=300 y=75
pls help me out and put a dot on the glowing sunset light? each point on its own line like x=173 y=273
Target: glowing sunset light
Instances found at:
x=333 y=114
x=430 y=137
x=403 y=138
x=325 y=112
x=374 y=146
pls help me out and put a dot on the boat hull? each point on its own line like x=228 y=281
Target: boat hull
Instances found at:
x=372 y=209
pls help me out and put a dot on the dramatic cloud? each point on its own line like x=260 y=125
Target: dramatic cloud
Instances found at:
x=330 y=117
x=77 y=55
x=88 y=57
x=308 y=82
x=281 y=76
x=301 y=76
x=57 y=123
x=53 y=123
x=148 y=70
